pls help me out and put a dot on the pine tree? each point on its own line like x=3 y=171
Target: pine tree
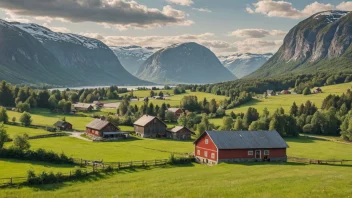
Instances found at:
x=294 y=109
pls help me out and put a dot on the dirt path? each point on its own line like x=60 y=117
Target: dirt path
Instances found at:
x=326 y=138
x=78 y=136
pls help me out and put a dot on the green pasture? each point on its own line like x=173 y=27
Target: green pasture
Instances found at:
x=12 y=131
x=194 y=180
x=286 y=101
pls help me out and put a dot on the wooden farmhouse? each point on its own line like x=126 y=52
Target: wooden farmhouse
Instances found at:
x=180 y=133
x=63 y=126
x=271 y=93
x=150 y=127
x=176 y=111
x=83 y=107
x=214 y=147
x=103 y=129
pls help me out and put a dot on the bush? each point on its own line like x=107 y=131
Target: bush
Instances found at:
x=109 y=169
x=78 y=173
x=26 y=119
x=306 y=91
x=308 y=128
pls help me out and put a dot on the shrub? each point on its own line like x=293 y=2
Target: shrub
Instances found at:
x=78 y=173
x=26 y=119
x=109 y=169
x=308 y=128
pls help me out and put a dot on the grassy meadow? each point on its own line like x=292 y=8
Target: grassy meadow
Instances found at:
x=12 y=131
x=286 y=101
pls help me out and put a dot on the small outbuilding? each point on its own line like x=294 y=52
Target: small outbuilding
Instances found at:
x=176 y=111
x=271 y=93
x=214 y=147
x=180 y=133
x=150 y=127
x=101 y=128
x=83 y=107
x=63 y=125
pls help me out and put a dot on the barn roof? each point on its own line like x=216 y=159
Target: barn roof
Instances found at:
x=178 y=128
x=246 y=139
x=174 y=110
x=97 y=124
x=82 y=105
x=145 y=119
x=60 y=123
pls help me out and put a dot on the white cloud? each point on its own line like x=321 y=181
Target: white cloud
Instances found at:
x=257 y=33
x=345 y=6
x=57 y=29
x=116 y=13
x=12 y=17
x=202 y=9
x=285 y=9
x=182 y=2
x=257 y=46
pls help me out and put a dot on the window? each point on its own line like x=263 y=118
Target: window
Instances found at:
x=205 y=153
x=206 y=141
x=213 y=155
x=266 y=152
x=250 y=152
x=198 y=152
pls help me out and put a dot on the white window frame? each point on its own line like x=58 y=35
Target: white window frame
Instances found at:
x=212 y=155
x=198 y=152
x=206 y=141
x=250 y=152
x=205 y=153
x=266 y=152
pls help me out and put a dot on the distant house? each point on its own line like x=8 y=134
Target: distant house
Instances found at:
x=83 y=107
x=176 y=111
x=317 y=90
x=180 y=133
x=285 y=92
x=63 y=126
x=214 y=147
x=102 y=128
x=150 y=127
x=271 y=93
x=158 y=97
x=98 y=104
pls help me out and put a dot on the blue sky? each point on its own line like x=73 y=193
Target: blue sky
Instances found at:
x=225 y=26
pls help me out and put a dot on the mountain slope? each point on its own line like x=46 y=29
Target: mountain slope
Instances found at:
x=132 y=57
x=320 y=43
x=184 y=63
x=34 y=54
x=243 y=64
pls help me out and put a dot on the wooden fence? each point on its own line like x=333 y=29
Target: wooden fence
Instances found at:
x=92 y=167
x=318 y=161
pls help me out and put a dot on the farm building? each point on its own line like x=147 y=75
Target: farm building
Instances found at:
x=271 y=93
x=176 y=111
x=98 y=104
x=317 y=90
x=150 y=127
x=83 y=107
x=102 y=128
x=214 y=147
x=63 y=125
x=180 y=133
x=285 y=92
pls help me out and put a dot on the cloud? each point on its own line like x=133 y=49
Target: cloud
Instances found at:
x=113 y=12
x=202 y=9
x=257 y=33
x=257 y=46
x=11 y=16
x=57 y=29
x=285 y=9
x=345 y=6
x=182 y=2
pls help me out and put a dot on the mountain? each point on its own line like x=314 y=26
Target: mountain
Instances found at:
x=320 y=43
x=184 y=63
x=243 y=64
x=31 y=53
x=132 y=57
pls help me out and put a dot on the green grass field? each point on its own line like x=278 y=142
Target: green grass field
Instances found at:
x=286 y=101
x=19 y=168
x=225 y=180
x=17 y=130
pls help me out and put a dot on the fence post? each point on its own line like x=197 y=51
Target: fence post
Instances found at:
x=131 y=165
x=118 y=165
x=11 y=181
x=81 y=163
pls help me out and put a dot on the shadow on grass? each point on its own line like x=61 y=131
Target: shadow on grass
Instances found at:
x=301 y=139
x=130 y=139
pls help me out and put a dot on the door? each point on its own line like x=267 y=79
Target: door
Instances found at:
x=258 y=154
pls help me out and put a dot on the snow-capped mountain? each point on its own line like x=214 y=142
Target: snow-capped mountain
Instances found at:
x=184 y=63
x=243 y=64
x=131 y=57
x=30 y=53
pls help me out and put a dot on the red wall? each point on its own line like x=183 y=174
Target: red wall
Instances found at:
x=243 y=153
x=202 y=147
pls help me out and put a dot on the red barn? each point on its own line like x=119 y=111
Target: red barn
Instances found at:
x=101 y=128
x=214 y=147
x=176 y=111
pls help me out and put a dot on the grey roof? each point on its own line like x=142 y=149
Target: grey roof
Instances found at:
x=178 y=128
x=82 y=105
x=97 y=124
x=60 y=123
x=173 y=109
x=145 y=119
x=247 y=139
